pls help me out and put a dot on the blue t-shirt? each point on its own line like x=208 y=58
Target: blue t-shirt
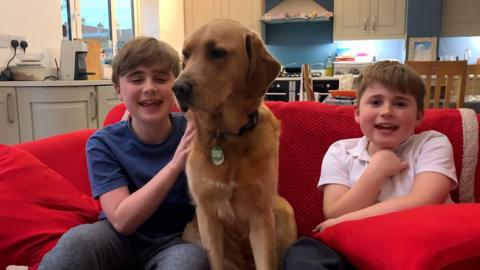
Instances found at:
x=116 y=158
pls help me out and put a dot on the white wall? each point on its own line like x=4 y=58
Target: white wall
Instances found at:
x=163 y=19
x=172 y=23
x=39 y=21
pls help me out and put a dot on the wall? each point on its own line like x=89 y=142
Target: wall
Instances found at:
x=452 y=47
x=38 y=21
x=172 y=26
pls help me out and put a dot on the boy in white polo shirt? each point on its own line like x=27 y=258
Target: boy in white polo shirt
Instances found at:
x=389 y=169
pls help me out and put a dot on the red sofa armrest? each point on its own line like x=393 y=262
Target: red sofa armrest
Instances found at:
x=64 y=154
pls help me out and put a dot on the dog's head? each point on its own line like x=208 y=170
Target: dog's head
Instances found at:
x=224 y=63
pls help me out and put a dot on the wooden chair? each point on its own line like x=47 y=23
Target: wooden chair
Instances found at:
x=449 y=79
x=473 y=80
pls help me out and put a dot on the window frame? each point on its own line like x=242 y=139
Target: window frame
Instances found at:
x=75 y=20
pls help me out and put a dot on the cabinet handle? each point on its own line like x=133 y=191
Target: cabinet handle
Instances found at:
x=373 y=24
x=9 y=113
x=365 y=25
x=93 y=97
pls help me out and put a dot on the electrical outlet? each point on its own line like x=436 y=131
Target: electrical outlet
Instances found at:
x=18 y=38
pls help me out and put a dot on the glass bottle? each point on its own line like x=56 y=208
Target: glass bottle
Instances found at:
x=329 y=67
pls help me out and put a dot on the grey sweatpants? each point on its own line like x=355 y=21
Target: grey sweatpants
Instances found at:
x=98 y=246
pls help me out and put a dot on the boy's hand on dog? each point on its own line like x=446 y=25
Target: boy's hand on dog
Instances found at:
x=386 y=163
x=180 y=157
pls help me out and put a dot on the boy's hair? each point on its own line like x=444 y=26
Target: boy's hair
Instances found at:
x=145 y=51
x=396 y=76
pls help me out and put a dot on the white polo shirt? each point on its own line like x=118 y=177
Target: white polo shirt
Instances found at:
x=429 y=151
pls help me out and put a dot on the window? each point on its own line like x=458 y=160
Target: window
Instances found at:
x=95 y=19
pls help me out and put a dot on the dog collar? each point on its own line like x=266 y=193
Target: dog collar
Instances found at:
x=252 y=122
x=216 y=152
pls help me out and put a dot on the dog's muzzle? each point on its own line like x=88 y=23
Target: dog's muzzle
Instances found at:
x=183 y=91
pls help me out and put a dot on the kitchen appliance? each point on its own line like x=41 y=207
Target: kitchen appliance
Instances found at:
x=287 y=86
x=349 y=67
x=73 y=60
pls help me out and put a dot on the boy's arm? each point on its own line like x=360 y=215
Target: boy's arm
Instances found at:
x=126 y=212
x=339 y=200
x=429 y=188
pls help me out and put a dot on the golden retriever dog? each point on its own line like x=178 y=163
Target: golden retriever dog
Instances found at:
x=232 y=167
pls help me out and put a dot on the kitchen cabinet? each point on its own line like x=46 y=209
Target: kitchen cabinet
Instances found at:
x=369 y=19
x=9 y=128
x=32 y=110
x=198 y=13
x=107 y=99
x=460 y=18
x=46 y=111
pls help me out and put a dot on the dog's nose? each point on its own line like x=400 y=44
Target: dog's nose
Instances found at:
x=182 y=89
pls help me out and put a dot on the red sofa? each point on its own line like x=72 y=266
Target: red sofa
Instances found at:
x=37 y=212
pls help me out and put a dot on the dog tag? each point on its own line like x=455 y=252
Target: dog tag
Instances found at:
x=216 y=154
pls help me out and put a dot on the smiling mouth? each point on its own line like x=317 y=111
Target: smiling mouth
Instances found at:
x=386 y=127
x=150 y=103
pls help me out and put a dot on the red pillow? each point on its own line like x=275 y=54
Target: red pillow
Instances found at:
x=430 y=237
x=37 y=206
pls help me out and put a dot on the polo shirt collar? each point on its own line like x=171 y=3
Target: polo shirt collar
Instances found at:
x=360 y=149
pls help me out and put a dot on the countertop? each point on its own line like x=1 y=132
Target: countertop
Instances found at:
x=54 y=83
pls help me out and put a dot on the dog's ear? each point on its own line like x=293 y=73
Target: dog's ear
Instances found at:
x=263 y=67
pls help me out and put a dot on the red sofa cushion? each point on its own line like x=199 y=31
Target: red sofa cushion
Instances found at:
x=65 y=154
x=309 y=128
x=430 y=237
x=37 y=206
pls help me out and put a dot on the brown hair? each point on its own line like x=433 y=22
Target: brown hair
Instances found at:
x=145 y=51
x=395 y=76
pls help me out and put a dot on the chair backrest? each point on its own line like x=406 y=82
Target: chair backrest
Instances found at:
x=446 y=78
x=473 y=79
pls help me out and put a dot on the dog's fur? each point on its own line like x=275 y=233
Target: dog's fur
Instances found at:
x=243 y=223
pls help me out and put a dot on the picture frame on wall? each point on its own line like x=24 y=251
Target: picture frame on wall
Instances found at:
x=422 y=49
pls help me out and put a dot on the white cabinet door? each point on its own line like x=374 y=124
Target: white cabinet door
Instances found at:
x=351 y=18
x=9 y=129
x=247 y=12
x=369 y=19
x=199 y=12
x=461 y=18
x=107 y=99
x=387 y=18
x=47 y=111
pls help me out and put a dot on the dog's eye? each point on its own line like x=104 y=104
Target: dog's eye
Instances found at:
x=185 y=55
x=217 y=53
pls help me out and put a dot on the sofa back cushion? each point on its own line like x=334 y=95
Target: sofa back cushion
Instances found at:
x=309 y=128
x=37 y=206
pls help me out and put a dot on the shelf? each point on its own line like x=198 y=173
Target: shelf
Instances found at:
x=295 y=20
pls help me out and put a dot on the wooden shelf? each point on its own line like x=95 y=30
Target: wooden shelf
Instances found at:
x=295 y=20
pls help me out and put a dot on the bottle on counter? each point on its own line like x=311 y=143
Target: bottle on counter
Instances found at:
x=329 y=66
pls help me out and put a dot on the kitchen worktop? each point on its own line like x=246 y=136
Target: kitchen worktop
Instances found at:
x=54 y=83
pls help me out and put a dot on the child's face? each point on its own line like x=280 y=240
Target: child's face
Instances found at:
x=147 y=93
x=386 y=117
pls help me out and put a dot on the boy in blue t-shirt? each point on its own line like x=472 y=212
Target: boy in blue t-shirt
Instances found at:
x=136 y=170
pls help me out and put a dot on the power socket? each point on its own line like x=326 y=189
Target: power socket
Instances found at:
x=6 y=40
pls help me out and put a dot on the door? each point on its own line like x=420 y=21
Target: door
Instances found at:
x=107 y=99
x=47 y=111
x=461 y=18
x=387 y=18
x=247 y=12
x=198 y=13
x=351 y=18
x=9 y=128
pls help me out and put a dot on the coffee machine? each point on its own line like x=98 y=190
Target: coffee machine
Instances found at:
x=73 y=56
